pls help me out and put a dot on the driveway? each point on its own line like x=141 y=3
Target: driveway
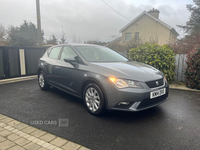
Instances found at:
x=173 y=125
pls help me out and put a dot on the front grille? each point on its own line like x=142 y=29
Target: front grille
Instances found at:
x=150 y=102
x=155 y=83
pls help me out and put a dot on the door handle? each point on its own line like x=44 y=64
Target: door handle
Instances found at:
x=57 y=67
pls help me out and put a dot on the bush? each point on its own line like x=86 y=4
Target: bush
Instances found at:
x=160 y=57
x=192 y=72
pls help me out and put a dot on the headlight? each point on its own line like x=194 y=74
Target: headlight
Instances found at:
x=122 y=83
x=165 y=79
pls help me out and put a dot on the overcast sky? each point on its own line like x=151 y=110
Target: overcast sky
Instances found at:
x=90 y=19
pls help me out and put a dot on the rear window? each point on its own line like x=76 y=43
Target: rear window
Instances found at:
x=55 y=53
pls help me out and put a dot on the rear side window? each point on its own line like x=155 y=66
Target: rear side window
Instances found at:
x=55 y=52
x=68 y=53
x=48 y=51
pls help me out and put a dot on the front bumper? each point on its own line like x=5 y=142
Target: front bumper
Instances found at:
x=139 y=99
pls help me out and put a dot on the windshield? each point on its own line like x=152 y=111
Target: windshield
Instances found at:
x=100 y=54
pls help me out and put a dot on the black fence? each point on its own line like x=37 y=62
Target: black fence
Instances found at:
x=19 y=61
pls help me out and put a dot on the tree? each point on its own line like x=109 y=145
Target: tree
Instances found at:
x=25 y=35
x=96 y=42
x=193 y=25
x=113 y=37
x=192 y=29
x=52 y=40
x=182 y=46
x=63 y=38
x=3 y=33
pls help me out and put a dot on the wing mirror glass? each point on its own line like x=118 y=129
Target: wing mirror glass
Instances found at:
x=70 y=60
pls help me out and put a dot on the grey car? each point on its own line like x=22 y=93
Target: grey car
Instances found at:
x=104 y=79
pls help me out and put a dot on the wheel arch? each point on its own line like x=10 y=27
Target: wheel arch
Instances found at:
x=41 y=69
x=38 y=70
x=92 y=80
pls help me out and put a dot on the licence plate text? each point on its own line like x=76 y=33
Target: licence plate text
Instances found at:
x=157 y=93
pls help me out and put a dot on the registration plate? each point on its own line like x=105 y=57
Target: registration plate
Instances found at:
x=157 y=93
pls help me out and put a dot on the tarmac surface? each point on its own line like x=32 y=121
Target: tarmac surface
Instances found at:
x=174 y=124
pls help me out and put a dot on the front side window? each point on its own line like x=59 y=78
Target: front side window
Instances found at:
x=100 y=54
x=128 y=36
x=55 y=52
x=67 y=53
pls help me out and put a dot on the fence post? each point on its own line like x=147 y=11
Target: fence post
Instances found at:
x=22 y=62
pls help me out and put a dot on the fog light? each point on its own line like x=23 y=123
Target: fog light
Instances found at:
x=123 y=103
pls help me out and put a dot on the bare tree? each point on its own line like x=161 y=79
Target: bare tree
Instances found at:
x=113 y=37
x=63 y=38
x=154 y=40
x=3 y=33
x=53 y=40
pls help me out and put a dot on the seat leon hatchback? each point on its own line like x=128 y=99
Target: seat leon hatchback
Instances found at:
x=103 y=78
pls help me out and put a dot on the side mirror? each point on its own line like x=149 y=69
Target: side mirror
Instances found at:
x=72 y=61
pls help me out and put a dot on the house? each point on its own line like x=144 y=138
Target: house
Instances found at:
x=147 y=27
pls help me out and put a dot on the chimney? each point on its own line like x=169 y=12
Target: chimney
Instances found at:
x=154 y=13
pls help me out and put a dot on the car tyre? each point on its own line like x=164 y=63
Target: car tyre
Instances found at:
x=42 y=81
x=94 y=99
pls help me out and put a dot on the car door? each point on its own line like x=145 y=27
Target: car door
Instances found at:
x=52 y=65
x=68 y=73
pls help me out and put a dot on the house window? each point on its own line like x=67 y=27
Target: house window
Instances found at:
x=137 y=36
x=128 y=36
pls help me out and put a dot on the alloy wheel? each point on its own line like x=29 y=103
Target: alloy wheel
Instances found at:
x=41 y=80
x=92 y=99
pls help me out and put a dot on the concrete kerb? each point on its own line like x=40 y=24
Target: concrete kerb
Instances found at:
x=182 y=88
x=12 y=80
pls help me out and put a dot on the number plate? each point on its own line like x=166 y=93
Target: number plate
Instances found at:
x=157 y=93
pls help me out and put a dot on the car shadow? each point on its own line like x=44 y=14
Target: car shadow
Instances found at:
x=151 y=113
x=66 y=96
x=124 y=116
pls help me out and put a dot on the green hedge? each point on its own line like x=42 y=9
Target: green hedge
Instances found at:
x=160 y=57
x=192 y=73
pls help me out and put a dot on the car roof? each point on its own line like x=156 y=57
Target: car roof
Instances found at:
x=77 y=44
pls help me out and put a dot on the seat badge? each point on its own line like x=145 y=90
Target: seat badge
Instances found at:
x=157 y=83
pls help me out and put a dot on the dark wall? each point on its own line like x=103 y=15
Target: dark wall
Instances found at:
x=1 y=64
x=10 y=61
x=14 y=62
x=32 y=56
